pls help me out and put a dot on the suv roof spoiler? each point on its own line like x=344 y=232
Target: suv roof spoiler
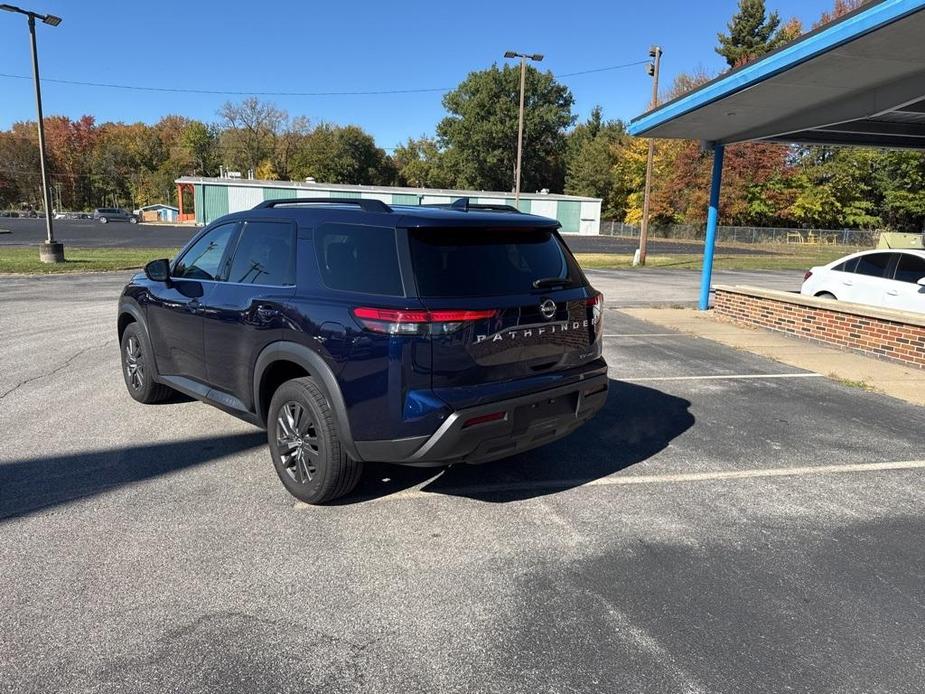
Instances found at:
x=366 y=204
x=463 y=205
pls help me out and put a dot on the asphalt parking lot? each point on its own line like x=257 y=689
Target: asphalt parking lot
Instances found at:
x=726 y=524
x=85 y=233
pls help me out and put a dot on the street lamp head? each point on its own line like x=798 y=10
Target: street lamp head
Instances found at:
x=507 y=54
x=536 y=56
x=49 y=19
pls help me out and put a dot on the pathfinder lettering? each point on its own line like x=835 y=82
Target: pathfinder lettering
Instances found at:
x=514 y=333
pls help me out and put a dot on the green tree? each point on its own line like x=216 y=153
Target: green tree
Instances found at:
x=342 y=154
x=420 y=164
x=837 y=188
x=901 y=179
x=200 y=142
x=596 y=163
x=479 y=135
x=752 y=33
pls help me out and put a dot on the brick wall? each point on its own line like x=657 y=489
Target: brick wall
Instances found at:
x=894 y=335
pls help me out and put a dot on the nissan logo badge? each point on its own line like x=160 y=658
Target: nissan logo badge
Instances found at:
x=548 y=309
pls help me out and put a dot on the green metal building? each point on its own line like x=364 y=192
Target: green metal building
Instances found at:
x=207 y=199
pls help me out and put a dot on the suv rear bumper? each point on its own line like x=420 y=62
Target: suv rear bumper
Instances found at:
x=523 y=423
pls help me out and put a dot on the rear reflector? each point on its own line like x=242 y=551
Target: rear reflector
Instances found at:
x=415 y=322
x=482 y=419
x=809 y=273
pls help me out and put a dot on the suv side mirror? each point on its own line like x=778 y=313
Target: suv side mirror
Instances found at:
x=921 y=282
x=158 y=270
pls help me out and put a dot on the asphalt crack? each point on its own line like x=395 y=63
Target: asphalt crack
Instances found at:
x=61 y=367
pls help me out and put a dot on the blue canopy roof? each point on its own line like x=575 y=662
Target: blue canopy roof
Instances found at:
x=857 y=81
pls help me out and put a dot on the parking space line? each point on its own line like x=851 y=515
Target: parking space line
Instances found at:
x=650 y=335
x=717 y=377
x=671 y=478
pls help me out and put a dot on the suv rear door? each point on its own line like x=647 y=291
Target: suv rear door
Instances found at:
x=545 y=319
x=243 y=310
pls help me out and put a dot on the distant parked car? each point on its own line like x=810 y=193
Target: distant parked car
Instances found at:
x=889 y=279
x=104 y=215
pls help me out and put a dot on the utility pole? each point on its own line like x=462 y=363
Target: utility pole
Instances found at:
x=50 y=251
x=524 y=57
x=652 y=68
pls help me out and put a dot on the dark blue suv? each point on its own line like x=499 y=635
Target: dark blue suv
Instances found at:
x=355 y=331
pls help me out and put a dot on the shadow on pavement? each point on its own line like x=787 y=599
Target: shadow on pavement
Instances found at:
x=31 y=484
x=635 y=424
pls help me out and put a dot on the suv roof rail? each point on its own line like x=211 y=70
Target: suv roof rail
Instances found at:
x=464 y=205
x=366 y=204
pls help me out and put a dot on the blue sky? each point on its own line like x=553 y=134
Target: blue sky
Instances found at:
x=305 y=46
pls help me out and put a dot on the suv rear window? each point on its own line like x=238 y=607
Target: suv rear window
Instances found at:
x=358 y=258
x=487 y=262
x=264 y=254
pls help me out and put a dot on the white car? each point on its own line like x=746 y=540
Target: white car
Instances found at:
x=889 y=279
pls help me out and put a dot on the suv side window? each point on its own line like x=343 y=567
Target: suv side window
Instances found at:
x=206 y=259
x=911 y=268
x=265 y=254
x=359 y=258
x=874 y=264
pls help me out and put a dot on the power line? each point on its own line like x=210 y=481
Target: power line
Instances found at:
x=600 y=69
x=217 y=92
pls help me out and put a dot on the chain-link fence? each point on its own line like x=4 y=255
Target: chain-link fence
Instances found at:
x=729 y=234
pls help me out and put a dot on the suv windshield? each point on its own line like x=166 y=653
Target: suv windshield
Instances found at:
x=487 y=262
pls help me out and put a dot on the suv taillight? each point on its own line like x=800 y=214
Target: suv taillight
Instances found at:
x=596 y=303
x=414 y=322
x=809 y=273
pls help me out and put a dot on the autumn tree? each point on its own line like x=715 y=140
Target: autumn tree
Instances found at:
x=839 y=9
x=250 y=131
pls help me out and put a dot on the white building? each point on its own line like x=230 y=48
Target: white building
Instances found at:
x=207 y=199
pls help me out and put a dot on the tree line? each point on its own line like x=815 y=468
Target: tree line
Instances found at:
x=474 y=147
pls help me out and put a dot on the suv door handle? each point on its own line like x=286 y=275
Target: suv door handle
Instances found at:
x=847 y=283
x=892 y=292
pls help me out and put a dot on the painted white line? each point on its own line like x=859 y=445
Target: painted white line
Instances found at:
x=650 y=335
x=719 y=475
x=717 y=377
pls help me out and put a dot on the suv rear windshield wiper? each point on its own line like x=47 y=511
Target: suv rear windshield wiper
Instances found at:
x=548 y=282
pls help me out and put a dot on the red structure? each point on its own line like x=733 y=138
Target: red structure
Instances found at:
x=186 y=203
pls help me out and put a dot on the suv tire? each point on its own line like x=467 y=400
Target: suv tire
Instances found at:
x=133 y=220
x=306 y=450
x=137 y=368
x=103 y=220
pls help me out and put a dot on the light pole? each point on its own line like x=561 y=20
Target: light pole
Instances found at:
x=524 y=57
x=50 y=251
x=652 y=68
